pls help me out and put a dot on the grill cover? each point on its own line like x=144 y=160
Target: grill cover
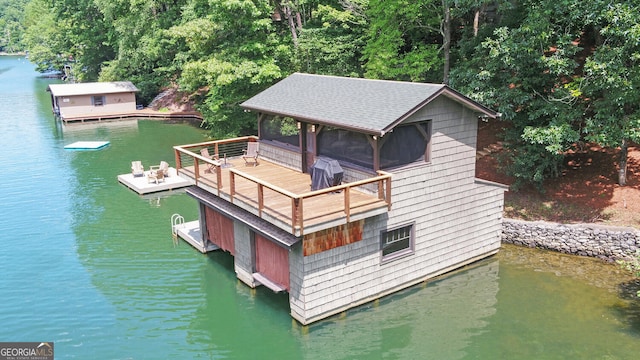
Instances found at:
x=325 y=173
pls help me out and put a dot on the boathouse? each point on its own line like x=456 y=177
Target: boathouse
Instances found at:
x=396 y=201
x=91 y=100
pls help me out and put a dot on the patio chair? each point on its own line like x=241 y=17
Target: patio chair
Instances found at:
x=251 y=154
x=164 y=166
x=156 y=176
x=205 y=153
x=137 y=169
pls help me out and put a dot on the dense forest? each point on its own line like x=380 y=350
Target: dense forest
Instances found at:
x=563 y=73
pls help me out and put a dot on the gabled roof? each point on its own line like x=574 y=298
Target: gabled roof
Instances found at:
x=363 y=105
x=93 y=88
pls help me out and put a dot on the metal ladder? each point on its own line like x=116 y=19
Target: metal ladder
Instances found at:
x=176 y=221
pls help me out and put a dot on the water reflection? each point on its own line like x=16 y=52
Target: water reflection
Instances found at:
x=436 y=320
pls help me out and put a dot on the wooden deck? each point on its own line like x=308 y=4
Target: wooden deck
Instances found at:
x=283 y=196
x=142 y=185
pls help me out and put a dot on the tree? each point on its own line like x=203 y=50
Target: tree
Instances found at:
x=143 y=53
x=332 y=39
x=528 y=73
x=612 y=79
x=244 y=52
x=403 y=40
x=44 y=38
x=12 y=25
x=87 y=37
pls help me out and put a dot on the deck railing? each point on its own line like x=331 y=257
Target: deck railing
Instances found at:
x=187 y=155
x=383 y=181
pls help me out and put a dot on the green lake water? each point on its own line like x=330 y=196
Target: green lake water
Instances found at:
x=92 y=266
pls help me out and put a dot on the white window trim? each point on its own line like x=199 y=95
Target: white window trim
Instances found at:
x=400 y=253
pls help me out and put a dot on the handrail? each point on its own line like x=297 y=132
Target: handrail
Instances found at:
x=297 y=200
x=197 y=158
x=213 y=142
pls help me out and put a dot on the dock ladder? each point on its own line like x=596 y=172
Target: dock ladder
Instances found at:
x=177 y=221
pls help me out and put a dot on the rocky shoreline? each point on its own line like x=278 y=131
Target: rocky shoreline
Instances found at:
x=604 y=242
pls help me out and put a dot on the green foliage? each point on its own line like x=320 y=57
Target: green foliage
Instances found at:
x=240 y=53
x=403 y=40
x=43 y=37
x=632 y=265
x=12 y=25
x=527 y=73
x=613 y=74
x=332 y=40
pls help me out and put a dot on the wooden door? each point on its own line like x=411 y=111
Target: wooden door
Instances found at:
x=220 y=230
x=272 y=261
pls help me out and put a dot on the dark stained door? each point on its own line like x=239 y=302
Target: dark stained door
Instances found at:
x=272 y=261
x=220 y=230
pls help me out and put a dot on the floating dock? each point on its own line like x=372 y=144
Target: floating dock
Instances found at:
x=87 y=145
x=142 y=185
x=190 y=232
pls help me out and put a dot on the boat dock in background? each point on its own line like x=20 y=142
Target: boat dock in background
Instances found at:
x=143 y=185
x=143 y=113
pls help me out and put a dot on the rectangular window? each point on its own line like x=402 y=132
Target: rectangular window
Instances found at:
x=397 y=242
x=97 y=100
x=346 y=146
x=280 y=129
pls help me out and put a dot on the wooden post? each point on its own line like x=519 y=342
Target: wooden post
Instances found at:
x=294 y=214
x=178 y=160
x=300 y=216
x=218 y=178
x=196 y=168
x=347 y=203
x=260 y=199
x=388 y=185
x=232 y=185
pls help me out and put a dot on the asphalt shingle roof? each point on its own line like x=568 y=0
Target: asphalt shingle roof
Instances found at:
x=370 y=106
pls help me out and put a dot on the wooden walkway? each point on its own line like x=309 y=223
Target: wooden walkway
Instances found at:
x=144 y=113
x=319 y=212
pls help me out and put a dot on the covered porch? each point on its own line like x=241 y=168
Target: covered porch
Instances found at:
x=280 y=194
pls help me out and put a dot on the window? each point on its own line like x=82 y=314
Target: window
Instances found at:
x=345 y=145
x=97 y=100
x=280 y=129
x=397 y=242
x=405 y=145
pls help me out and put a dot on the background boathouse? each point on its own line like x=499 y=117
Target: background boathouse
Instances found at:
x=87 y=100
